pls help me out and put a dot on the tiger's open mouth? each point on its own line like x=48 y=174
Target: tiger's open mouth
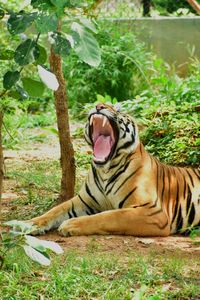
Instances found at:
x=103 y=134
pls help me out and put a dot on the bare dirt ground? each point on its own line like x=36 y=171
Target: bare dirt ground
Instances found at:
x=124 y=244
x=120 y=244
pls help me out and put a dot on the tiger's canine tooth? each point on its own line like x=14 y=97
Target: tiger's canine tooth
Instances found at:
x=91 y=120
x=104 y=121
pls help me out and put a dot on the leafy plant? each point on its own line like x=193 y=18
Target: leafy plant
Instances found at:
x=34 y=248
x=122 y=74
x=194 y=233
x=166 y=7
x=45 y=18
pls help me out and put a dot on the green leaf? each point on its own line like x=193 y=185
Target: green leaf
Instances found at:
x=35 y=243
x=41 y=4
x=33 y=87
x=70 y=38
x=52 y=246
x=20 y=225
x=60 y=3
x=26 y=52
x=86 y=46
x=42 y=56
x=46 y=23
x=14 y=95
x=10 y=78
x=61 y=46
x=18 y=23
x=23 y=94
x=100 y=99
x=36 y=256
x=76 y=3
x=48 y=78
x=42 y=244
x=53 y=130
x=2 y=13
x=6 y=54
x=89 y=24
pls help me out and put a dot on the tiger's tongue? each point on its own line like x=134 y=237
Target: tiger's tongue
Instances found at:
x=102 y=147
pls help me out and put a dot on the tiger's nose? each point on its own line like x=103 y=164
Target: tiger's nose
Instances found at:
x=100 y=106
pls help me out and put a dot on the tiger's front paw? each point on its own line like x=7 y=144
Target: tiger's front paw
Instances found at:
x=40 y=225
x=70 y=227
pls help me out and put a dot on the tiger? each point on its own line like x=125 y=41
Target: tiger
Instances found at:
x=127 y=191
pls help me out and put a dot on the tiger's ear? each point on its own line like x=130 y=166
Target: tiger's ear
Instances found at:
x=117 y=106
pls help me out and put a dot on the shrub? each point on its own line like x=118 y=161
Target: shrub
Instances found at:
x=121 y=74
x=170 y=6
x=169 y=113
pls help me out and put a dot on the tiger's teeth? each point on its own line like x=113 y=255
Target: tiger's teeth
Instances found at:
x=104 y=121
x=91 y=120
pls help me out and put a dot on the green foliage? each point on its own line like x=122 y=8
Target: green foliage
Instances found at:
x=46 y=22
x=194 y=234
x=2 y=13
x=122 y=73
x=6 y=54
x=170 y=6
x=86 y=47
x=30 y=51
x=170 y=115
x=36 y=182
x=26 y=53
x=42 y=57
x=61 y=46
x=18 y=23
x=33 y=87
x=19 y=237
x=104 y=274
x=173 y=135
x=133 y=9
x=10 y=78
x=15 y=124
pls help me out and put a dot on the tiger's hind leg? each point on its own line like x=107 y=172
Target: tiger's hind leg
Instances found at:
x=128 y=221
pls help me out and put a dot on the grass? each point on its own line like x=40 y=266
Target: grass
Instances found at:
x=15 y=133
x=37 y=183
x=104 y=275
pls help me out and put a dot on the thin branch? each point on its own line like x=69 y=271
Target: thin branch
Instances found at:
x=195 y=5
x=37 y=38
x=96 y=4
x=89 y=10
x=21 y=69
x=6 y=129
x=3 y=93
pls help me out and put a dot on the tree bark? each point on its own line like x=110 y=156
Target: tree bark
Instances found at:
x=1 y=164
x=66 y=147
x=195 y=5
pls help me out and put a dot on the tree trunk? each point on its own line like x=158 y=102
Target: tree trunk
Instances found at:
x=146 y=8
x=1 y=164
x=195 y=5
x=66 y=147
